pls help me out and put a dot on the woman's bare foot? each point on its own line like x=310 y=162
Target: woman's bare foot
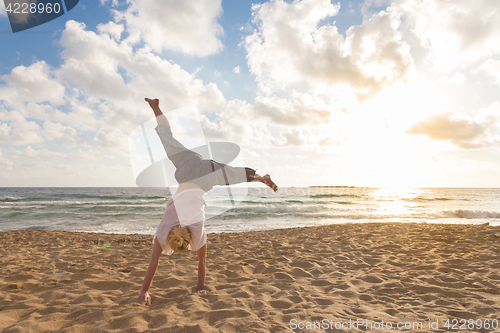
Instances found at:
x=154 y=103
x=267 y=180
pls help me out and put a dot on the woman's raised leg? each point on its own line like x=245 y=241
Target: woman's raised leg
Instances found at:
x=160 y=117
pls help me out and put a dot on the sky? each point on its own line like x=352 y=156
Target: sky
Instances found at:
x=377 y=93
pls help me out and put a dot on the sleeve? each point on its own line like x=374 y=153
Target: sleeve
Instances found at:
x=162 y=120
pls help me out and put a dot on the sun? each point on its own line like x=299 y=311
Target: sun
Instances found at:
x=377 y=146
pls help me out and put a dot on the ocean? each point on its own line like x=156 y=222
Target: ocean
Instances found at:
x=139 y=210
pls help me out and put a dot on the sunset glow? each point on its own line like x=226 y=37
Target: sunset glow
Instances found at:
x=363 y=93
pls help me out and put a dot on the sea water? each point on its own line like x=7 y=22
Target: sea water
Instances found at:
x=139 y=210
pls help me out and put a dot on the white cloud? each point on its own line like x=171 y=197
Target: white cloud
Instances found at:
x=88 y=155
x=463 y=131
x=82 y=116
x=3 y=12
x=491 y=67
x=45 y=165
x=29 y=152
x=35 y=83
x=113 y=2
x=291 y=137
x=456 y=79
x=100 y=85
x=459 y=166
x=63 y=134
x=4 y=132
x=299 y=109
x=91 y=62
x=369 y=4
x=5 y=163
x=111 y=138
x=112 y=71
x=92 y=155
x=459 y=130
x=45 y=173
x=289 y=46
x=18 y=130
x=326 y=141
x=189 y=27
x=112 y=29
x=237 y=70
x=234 y=122
x=99 y=88
x=456 y=32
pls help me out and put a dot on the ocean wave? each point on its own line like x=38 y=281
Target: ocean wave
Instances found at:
x=252 y=202
x=430 y=199
x=294 y=201
x=14 y=215
x=69 y=203
x=117 y=197
x=125 y=209
x=266 y=209
x=114 y=209
x=331 y=195
x=419 y=199
x=470 y=214
x=37 y=227
x=65 y=197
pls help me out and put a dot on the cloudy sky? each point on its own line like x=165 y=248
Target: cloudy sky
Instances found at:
x=363 y=93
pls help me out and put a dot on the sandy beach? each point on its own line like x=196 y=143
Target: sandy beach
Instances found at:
x=267 y=281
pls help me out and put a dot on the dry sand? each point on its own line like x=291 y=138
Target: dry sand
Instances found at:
x=52 y=281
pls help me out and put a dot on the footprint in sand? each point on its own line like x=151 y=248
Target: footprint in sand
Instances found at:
x=295 y=299
x=371 y=279
x=299 y=272
x=281 y=304
x=219 y=315
x=284 y=277
x=323 y=301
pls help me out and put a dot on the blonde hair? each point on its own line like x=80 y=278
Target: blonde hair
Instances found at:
x=179 y=238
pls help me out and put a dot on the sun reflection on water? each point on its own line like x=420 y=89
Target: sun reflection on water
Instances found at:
x=396 y=201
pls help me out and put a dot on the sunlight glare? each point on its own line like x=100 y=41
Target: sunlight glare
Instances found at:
x=396 y=200
x=377 y=146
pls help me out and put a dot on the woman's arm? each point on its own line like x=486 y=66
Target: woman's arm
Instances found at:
x=202 y=255
x=150 y=273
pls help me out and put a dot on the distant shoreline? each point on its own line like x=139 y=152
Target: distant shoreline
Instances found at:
x=332 y=186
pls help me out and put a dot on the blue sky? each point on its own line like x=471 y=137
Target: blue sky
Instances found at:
x=364 y=93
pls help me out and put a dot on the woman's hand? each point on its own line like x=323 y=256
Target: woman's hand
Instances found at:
x=145 y=297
